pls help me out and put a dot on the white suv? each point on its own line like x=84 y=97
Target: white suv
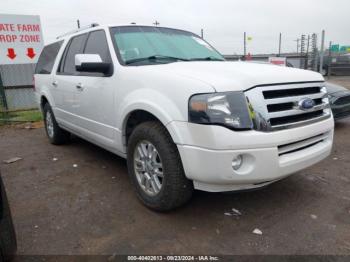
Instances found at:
x=182 y=116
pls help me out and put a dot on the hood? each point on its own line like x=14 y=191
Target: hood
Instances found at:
x=236 y=76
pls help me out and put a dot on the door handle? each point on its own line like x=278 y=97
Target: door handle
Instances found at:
x=80 y=87
x=55 y=83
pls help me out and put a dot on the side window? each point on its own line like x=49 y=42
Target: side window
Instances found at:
x=47 y=58
x=75 y=47
x=97 y=44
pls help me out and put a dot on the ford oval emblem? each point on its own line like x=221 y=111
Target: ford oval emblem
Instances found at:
x=306 y=104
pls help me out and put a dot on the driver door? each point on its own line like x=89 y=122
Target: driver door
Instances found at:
x=95 y=94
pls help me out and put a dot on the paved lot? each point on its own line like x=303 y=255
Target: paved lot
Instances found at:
x=92 y=209
x=340 y=80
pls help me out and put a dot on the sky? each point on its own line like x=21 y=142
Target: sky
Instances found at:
x=223 y=21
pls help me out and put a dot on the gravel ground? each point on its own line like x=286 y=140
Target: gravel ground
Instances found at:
x=92 y=209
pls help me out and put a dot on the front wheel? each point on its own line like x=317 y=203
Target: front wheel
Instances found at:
x=155 y=168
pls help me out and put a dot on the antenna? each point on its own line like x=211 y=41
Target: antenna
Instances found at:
x=78 y=30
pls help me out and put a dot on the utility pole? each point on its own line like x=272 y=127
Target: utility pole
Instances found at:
x=302 y=49
x=329 y=59
x=78 y=23
x=302 y=44
x=314 y=52
x=202 y=33
x=156 y=23
x=245 y=44
x=322 y=51
x=307 y=52
x=279 y=45
x=297 y=40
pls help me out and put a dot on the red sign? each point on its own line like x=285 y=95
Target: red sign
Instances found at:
x=20 y=39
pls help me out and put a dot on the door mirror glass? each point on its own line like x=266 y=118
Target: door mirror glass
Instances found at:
x=91 y=63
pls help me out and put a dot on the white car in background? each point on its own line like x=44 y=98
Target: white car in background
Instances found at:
x=182 y=116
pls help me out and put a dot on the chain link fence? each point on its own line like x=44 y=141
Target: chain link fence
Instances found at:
x=20 y=98
x=16 y=87
x=16 y=91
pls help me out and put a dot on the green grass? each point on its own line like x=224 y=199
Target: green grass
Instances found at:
x=22 y=116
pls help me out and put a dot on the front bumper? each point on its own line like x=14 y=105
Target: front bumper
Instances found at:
x=207 y=153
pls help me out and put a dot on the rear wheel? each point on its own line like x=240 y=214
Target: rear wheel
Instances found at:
x=56 y=135
x=155 y=168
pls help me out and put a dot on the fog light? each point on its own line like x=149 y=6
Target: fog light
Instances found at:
x=237 y=162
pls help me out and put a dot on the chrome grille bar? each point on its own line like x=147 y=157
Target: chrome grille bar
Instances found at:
x=300 y=123
x=297 y=111
x=293 y=98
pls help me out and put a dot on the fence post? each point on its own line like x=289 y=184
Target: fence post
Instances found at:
x=3 y=102
x=3 y=95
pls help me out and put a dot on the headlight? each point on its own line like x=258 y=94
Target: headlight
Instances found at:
x=227 y=109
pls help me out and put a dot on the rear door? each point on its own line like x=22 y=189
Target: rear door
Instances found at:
x=43 y=72
x=96 y=94
x=65 y=83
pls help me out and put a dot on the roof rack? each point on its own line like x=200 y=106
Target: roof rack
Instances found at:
x=78 y=30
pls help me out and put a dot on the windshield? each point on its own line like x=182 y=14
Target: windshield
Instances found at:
x=142 y=45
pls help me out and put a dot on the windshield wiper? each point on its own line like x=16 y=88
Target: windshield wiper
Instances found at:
x=154 y=57
x=208 y=58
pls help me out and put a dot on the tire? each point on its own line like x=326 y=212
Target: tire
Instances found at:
x=56 y=135
x=175 y=188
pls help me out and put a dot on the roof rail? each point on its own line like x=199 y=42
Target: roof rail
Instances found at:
x=78 y=30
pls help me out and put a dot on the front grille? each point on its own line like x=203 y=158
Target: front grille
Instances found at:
x=270 y=94
x=295 y=118
x=277 y=107
x=288 y=106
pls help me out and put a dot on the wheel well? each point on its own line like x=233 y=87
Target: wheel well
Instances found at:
x=135 y=118
x=43 y=102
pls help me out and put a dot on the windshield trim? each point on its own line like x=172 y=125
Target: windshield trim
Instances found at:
x=117 y=51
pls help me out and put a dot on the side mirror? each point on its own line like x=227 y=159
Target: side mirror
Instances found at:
x=91 y=63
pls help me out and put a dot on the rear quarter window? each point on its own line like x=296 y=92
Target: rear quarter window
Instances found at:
x=47 y=58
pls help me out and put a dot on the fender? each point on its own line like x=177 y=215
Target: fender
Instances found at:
x=47 y=95
x=153 y=102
